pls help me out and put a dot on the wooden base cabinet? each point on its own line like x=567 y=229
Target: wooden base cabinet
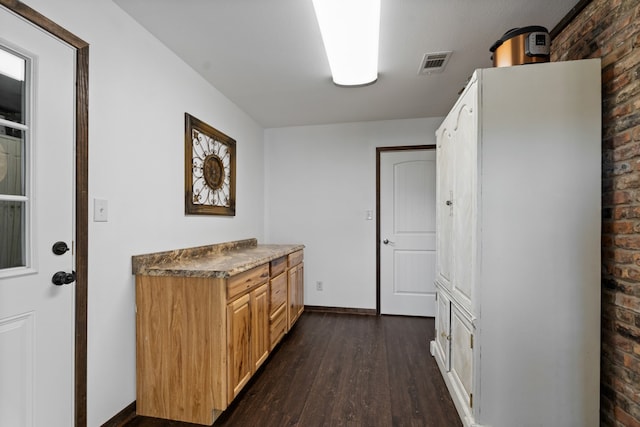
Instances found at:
x=199 y=340
x=518 y=246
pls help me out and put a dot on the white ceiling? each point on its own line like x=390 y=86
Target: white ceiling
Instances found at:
x=267 y=55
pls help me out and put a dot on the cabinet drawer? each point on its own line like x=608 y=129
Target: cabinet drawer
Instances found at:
x=278 y=325
x=240 y=283
x=295 y=258
x=278 y=292
x=278 y=266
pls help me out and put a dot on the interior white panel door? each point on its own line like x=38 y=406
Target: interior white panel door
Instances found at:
x=407 y=259
x=36 y=316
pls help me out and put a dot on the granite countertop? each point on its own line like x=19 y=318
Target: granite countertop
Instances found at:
x=220 y=260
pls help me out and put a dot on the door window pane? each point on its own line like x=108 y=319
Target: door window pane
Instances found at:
x=12 y=89
x=14 y=131
x=12 y=161
x=12 y=232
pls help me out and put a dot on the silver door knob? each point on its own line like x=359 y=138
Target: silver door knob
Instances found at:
x=387 y=241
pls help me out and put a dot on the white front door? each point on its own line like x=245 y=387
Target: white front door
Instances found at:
x=407 y=232
x=37 y=75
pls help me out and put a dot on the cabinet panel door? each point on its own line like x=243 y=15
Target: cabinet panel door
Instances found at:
x=239 y=350
x=296 y=293
x=260 y=342
x=462 y=354
x=444 y=207
x=291 y=295
x=464 y=195
x=300 y=290
x=443 y=331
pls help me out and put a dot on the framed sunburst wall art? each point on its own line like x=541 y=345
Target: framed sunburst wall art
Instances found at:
x=210 y=170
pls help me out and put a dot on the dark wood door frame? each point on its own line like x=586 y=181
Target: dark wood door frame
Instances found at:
x=81 y=197
x=379 y=151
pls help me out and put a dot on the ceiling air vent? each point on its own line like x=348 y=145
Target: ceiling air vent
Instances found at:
x=434 y=62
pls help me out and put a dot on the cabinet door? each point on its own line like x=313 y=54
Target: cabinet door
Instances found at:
x=239 y=350
x=296 y=293
x=260 y=342
x=292 y=297
x=443 y=330
x=444 y=207
x=465 y=141
x=462 y=355
x=300 y=290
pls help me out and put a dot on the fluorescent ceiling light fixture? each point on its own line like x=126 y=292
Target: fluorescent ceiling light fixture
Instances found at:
x=350 y=31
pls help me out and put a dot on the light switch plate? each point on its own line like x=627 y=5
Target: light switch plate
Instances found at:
x=100 y=210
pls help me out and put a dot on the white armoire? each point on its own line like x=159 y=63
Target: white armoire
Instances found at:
x=518 y=246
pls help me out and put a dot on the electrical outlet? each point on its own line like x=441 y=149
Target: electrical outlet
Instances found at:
x=318 y=286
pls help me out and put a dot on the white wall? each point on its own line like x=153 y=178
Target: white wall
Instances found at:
x=139 y=92
x=319 y=183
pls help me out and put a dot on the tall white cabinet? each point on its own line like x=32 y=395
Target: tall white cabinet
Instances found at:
x=518 y=246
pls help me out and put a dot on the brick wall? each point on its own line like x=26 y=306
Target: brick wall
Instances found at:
x=610 y=29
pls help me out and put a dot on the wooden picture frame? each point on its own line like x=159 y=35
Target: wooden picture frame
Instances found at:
x=210 y=170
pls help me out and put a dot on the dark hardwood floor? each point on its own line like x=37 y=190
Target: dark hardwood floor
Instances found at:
x=343 y=370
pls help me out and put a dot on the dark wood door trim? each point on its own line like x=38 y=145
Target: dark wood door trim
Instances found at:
x=379 y=151
x=82 y=194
